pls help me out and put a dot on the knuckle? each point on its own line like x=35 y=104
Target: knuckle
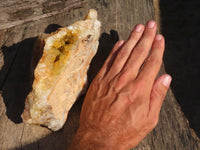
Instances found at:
x=140 y=50
x=153 y=121
x=140 y=84
x=96 y=85
x=113 y=85
x=158 y=93
x=120 y=80
x=138 y=91
x=123 y=77
x=98 y=79
x=122 y=53
x=154 y=60
x=149 y=35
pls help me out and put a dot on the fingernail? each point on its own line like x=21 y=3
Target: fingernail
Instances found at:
x=158 y=37
x=120 y=43
x=138 y=28
x=151 y=24
x=167 y=80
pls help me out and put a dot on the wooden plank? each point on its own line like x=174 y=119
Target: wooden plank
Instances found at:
x=118 y=17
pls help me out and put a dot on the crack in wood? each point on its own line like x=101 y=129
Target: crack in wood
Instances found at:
x=116 y=13
x=21 y=144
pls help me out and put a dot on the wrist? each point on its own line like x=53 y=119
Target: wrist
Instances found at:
x=92 y=139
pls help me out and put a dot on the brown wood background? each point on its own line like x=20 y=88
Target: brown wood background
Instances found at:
x=22 y=21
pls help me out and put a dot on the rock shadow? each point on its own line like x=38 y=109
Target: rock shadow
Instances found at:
x=16 y=75
x=61 y=139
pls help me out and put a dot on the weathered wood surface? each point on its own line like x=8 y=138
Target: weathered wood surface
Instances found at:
x=17 y=12
x=17 y=37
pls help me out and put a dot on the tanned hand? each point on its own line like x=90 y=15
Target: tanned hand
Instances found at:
x=124 y=100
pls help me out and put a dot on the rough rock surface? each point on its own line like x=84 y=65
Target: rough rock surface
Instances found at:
x=61 y=73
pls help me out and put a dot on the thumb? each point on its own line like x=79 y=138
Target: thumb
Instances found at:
x=158 y=93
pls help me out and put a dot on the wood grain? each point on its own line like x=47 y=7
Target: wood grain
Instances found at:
x=19 y=12
x=18 y=32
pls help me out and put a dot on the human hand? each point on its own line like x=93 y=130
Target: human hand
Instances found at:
x=123 y=102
